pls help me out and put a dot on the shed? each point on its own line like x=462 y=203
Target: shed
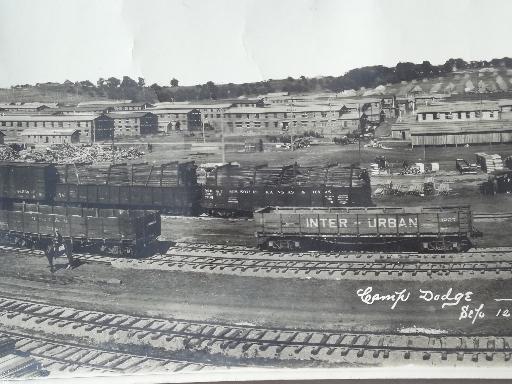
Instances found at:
x=50 y=136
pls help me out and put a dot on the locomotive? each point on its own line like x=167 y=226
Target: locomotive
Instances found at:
x=424 y=229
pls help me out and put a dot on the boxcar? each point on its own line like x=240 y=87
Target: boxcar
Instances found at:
x=421 y=228
x=123 y=233
x=27 y=181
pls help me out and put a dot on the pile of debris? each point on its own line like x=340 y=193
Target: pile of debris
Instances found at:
x=419 y=168
x=7 y=153
x=67 y=154
x=428 y=187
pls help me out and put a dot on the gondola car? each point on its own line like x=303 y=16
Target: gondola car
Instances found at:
x=237 y=191
x=425 y=229
x=108 y=231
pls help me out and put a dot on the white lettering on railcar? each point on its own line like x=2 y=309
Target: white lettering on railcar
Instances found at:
x=381 y=222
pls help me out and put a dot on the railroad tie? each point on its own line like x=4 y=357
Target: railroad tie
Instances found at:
x=360 y=352
x=317 y=349
x=462 y=346
x=120 y=360
x=247 y=346
x=491 y=344
x=141 y=334
x=506 y=347
x=90 y=327
x=304 y=342
x=407 y=354
x=376 y=353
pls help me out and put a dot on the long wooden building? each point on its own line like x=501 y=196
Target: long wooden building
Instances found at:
x=454 y=133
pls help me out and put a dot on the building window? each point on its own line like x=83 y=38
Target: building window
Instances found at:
x=247 y=115
x=218 y=115
x=257 y=116
x=468 y=115
x=275 y=116
x=491 y=114
x=478 y=114
x=3 y=124
x=61 y=124
x=285 y=115
x=266 y=124
x=448 y=116
x=459 y=115
x=18 y=124
x=275 y=124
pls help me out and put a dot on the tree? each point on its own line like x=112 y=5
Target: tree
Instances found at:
x=113 y=82
x=174 y=82
x=141 y=82
x=212 y=89
x=101 y=82
x=86 y=84
x=128 y=82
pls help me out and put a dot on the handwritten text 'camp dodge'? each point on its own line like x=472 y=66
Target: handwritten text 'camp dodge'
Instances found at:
x=468 y=310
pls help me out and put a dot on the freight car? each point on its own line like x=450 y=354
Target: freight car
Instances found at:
x=169 y=188
x=421 y=228
x=29 y=182
x=232 y=191
x=110 y=231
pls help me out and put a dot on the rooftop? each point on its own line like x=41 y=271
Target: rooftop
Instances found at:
x=129 y=114
x=49 y=132
x=180 y=105
x=49 y=118
x=458 y=107
x=177 y=110
x=103 y=102
x=283 y=109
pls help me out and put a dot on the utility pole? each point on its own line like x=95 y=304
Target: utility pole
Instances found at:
x=113 y=148
x=222 y=136
x=360 y=130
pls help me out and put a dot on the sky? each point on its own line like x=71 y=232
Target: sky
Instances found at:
x=239 y=41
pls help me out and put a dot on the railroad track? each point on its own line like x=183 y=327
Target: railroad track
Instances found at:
x=248 y=343
x=238 y=260
x=59 y=358
x=481 y=216
x=322 y=269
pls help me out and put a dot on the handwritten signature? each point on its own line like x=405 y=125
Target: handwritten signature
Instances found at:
x=446 y=299
x=468 y=311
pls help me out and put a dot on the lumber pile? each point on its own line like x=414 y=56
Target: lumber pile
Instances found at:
x=294 y=175
x=489 y=163
x=144 y=174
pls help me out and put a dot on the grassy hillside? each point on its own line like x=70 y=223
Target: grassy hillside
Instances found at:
x=455 y=77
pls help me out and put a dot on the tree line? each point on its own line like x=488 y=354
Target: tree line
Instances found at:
x=367 y=77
